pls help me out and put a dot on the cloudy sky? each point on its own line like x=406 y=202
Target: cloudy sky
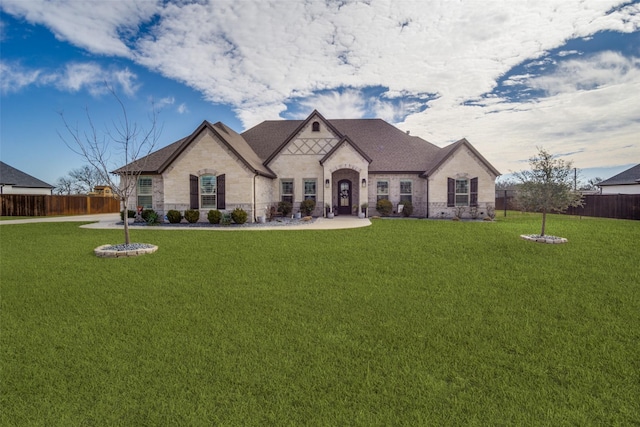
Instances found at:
x=507 y=75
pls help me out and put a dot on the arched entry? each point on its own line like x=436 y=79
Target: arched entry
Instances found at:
x=344 y=197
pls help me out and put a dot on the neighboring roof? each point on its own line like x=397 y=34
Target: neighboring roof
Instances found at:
x=630 y=176
x=385 y=147
x=12 y=176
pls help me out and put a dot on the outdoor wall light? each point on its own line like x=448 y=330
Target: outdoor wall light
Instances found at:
x=364 y=182
x=326 y=183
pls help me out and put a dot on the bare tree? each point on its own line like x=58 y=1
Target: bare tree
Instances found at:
x=127 y=142
x=548 y=186
x=81 y=180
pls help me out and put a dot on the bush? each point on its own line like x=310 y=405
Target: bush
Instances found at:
x=239 y=216
x=384 y=207
x=174 y=216
x=192 y=215
x=285 y=208
x=150 y=216
x=408 y=208
x=214 y=216
x=130 y=214
x=307 y=206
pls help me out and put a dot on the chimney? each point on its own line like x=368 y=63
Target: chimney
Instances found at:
x=408 y=132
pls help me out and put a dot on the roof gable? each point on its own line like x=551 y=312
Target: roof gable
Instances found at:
x=314 y=115
x=12 y=176
x=344 y=141
x=447 y=152
x=629 y=176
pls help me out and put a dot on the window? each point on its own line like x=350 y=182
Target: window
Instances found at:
x=315 y=127
x=208 y=191
x=310 y=189
x=405 y=191
x=286 y=190
x=145 y=191
x=462 y=192
x=382 y=190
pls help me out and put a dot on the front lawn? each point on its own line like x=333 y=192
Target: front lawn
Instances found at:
x=406 y=322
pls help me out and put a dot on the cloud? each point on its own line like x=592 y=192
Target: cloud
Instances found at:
x=441 y=63
x=13 y=77
x=74 y=77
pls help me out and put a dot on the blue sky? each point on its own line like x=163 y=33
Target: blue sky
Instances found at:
x=508 y=76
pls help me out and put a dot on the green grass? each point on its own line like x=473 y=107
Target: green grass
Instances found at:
x=406 y=322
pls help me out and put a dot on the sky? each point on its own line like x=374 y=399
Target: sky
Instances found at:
x=510 y=76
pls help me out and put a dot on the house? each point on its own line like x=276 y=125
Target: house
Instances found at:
x=102 y=191
x=14 y=181
x=626 y=182
x=340 y=164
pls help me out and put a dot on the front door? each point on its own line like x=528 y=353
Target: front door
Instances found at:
x=344 y=197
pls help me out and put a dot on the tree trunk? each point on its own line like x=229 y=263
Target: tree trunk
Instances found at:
x=544 y=221
x=125 y=215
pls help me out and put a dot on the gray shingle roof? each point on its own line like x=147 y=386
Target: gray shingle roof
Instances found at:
x=12 y=176
x=389 y=149
x=630 y=176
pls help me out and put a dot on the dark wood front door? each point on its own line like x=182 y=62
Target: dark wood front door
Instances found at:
x=344 y=197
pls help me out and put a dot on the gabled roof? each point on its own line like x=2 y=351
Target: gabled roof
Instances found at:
x=343 y=141
x=158 y=161
x=12 y=176
x=448 y=151
x=630 y=176
x=384 y=146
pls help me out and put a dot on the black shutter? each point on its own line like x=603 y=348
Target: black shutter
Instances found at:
x=221 y=202
x=474 y=192
x=451 y=192
x=193 y=192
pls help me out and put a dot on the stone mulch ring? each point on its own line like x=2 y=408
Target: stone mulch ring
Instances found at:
x=121 y=251
x=543 y=239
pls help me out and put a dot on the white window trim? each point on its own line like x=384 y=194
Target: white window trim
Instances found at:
x=467 y=194
x=202 y=194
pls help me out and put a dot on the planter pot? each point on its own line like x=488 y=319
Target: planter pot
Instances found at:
x=298 y=215
x=330 y=215
x=361 y=215
x=261 y=219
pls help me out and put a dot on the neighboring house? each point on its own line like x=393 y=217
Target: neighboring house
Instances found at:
x=627 y=182
x=102 y=191
x=14 y=181
x=341 y=164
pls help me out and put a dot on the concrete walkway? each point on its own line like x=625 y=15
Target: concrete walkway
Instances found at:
x=110 y=221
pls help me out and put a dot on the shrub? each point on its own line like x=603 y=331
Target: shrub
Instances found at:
x=408 y=208
x=285 y=208
x=214 y=216
x=174 y=216
x=307 y=206
x=239 y=216
x=384 y=207
x=192 y=215
x=150 y=216
x=491 y=212
x=458 y=211
x=130 y=214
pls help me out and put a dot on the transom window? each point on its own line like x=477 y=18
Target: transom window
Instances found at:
x=145 y=192
x=208 y=191
x=462 y=192
x=382 y=190
x=310 y=186
x=286 y=190
x=406 y=192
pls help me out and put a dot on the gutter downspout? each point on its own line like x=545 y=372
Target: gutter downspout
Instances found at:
x=255 y=218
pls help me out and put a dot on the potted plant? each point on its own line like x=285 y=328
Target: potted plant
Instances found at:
x=364 y=208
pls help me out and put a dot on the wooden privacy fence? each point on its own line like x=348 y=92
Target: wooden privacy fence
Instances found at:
x=43 y=205
x=621 y=206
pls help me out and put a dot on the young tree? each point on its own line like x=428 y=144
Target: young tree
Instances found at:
x=548 y=186
x=125 y=143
